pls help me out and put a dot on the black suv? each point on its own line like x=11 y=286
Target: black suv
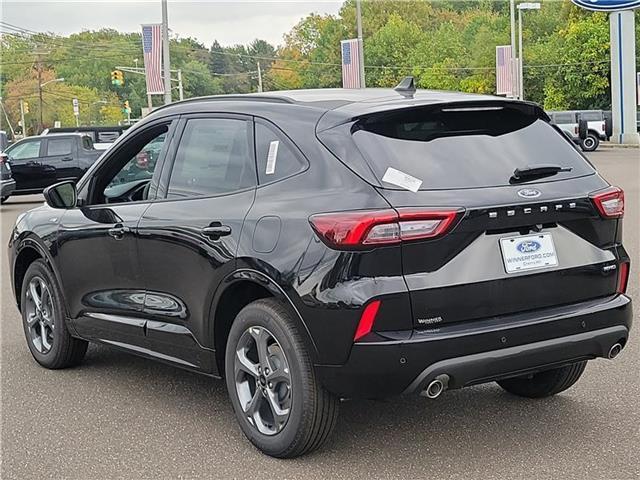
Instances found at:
x=309 y=246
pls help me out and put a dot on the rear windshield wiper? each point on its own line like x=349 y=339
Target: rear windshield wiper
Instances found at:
x=537 y=171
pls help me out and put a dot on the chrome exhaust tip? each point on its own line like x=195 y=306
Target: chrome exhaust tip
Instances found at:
x=436 y=386
x=434 y=389
x=614 y=351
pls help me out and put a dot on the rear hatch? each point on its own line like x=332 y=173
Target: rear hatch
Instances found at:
x=518 y=242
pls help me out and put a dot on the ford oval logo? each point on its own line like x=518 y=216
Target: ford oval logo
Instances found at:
x=528 y=246
x=607 y=5
x=529 y=193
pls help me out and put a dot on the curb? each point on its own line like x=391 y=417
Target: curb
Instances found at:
x=617 y=145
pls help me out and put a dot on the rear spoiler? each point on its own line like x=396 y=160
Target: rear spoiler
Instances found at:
x=340 y=116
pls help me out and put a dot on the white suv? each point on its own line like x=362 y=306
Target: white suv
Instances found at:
x=596 y=126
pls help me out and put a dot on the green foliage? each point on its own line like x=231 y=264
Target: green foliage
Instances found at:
x=447 y=44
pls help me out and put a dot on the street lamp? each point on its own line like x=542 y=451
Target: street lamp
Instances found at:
x=40 y=85
x=51 y=81
x=521 y=7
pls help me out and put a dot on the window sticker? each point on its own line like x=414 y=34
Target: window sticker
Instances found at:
x=401 y=179
x=271 y=157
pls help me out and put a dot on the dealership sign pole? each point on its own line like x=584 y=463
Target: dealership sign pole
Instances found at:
x=623 y=65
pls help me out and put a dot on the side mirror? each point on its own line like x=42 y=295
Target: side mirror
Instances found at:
x=582 y=129
x=61 y=195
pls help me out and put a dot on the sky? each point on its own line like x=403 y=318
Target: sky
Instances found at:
x=230 y=22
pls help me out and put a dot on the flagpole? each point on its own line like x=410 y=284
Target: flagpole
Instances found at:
x=165 y=54
x=514 y=75
x=360 y=45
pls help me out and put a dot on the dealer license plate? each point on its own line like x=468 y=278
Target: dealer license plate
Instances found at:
x=528 y=252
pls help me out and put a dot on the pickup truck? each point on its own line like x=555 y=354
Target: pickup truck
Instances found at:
x=37 y=162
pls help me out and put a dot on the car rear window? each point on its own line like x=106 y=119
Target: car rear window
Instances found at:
x=449 y=148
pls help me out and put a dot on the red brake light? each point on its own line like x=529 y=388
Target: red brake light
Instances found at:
x=623 y=277
x=366 y=320
x=609 y=202
x=360 y=229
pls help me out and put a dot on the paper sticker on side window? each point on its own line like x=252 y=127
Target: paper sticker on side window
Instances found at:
x=271 y=157
x=401 y=179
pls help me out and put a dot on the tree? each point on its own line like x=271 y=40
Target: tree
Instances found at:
x=198 y=81
x=217 y=59
x=389 y=48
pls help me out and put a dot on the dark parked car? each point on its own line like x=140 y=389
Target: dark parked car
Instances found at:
x=102 y=136
x=309 y=246
x=38 y=162
x=7 y=183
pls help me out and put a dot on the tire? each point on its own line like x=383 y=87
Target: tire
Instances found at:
x=544 y=384
x=55 y=348
x=591 y=143
x=311 y=411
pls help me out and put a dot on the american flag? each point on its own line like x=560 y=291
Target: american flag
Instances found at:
x=152 y=50
x=504 y=73
x=350 y=64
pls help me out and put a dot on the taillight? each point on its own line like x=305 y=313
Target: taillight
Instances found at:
x=623 y=277
x=609 y=202
x=368 y=317
x=367 y=228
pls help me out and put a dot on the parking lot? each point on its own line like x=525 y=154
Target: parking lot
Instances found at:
x=120 y=416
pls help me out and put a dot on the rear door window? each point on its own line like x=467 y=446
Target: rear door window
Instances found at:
x=564 y=118
x=461 y=148
x=592 y=116
x=59 y=146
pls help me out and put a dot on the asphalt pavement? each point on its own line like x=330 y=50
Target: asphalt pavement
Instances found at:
x=120 y=416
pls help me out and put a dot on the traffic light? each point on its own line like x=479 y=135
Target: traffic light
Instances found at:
x=126 y=108
x=25 y=106
x=117 y=78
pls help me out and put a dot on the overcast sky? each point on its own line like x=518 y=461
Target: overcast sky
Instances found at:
x=229 y=22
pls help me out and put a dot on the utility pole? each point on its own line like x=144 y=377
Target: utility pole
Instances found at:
x=24 y=125
x=6 y=116
x=259 y=78
x=514 y=67
x=520 y=74
x=360 y=44
x=40 y=123
x=180 y=89
x=166 y=63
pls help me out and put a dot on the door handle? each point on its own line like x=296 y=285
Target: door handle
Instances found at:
x=216 y=231
x=67 y=159
x=118 y=231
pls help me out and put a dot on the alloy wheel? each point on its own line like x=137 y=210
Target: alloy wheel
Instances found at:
x=262 y=380
x=40 y=316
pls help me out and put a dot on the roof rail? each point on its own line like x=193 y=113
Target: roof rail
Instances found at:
x=232 y=97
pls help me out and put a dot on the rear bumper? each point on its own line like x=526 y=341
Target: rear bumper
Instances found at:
x=482 y=351
x=7 y=187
